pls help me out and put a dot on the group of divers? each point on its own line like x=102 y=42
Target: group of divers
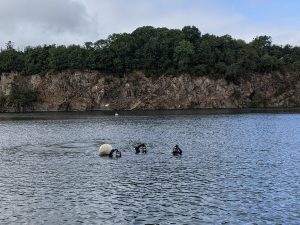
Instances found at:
x=107 y=150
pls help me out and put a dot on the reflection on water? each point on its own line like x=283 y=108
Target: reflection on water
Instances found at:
x=235 y=169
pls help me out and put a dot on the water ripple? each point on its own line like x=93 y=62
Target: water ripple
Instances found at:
x=235 y=169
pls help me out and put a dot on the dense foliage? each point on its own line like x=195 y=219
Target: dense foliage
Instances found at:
x=19 y=97
x=158 y=51
x=22 y=95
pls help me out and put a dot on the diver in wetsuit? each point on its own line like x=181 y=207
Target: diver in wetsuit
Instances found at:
x=177 y=150
x=141 y=148
x=118 y=153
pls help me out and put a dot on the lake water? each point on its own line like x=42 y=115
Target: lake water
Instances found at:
x=235 y=169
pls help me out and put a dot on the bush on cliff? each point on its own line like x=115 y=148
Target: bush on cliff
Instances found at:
x=21 y=96
x=257 y=99
x=3 y=100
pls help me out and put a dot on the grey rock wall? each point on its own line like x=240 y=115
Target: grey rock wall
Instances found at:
x=88 y=90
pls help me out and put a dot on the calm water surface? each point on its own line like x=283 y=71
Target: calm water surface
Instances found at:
x=235 y=169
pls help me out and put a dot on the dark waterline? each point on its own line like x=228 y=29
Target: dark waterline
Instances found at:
x=235 y=169
x=167 y=112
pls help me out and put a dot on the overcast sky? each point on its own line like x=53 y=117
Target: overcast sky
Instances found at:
x=36 y=22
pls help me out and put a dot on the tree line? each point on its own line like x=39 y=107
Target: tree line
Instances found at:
x=158 y=51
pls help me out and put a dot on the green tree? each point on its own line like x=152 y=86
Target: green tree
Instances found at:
x=262 y=44
x=183 y=55
x=58 y=58
x=10 y=59
x=159 y=51
x=267 y=63
x=22 y=96
x=77 y=57
x=191 y=34
x=36 y=59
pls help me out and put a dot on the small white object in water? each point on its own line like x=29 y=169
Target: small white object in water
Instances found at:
x=116 y=114
x=105 y=149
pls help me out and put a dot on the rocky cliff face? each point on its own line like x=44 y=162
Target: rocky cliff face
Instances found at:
x=79 y=91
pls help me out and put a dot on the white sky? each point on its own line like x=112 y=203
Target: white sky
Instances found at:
x=37 y=22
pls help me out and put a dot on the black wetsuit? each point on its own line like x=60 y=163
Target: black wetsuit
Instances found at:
x=138 y=148
x=177 y=150
x=111 y=154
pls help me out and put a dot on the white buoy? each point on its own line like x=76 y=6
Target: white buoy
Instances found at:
x=116 y=114
x=105 y=149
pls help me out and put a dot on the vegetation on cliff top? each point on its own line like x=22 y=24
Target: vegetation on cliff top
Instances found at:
x=158 y=51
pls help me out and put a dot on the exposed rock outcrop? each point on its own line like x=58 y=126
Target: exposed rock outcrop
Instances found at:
x=89 y=90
